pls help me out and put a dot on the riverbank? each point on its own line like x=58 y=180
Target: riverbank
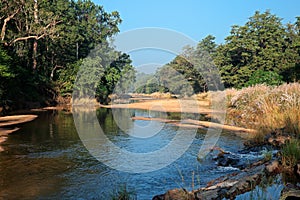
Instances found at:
x=8 y=125
x=274 y=113
x=167 y=105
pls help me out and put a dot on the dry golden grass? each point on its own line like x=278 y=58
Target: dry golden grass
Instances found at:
x=266 y=108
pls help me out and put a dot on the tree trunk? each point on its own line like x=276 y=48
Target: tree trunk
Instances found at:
x=35 y=43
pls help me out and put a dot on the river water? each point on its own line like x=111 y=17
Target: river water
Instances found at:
x=46 y=159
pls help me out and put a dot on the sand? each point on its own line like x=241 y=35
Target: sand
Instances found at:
x=169 y=105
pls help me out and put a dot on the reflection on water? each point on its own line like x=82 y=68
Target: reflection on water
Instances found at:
x=47 y=160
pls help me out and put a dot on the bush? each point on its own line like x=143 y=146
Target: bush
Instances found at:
x=264 y=77
x=291 y=153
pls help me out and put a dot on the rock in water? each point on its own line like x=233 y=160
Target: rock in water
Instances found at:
x=273 y=168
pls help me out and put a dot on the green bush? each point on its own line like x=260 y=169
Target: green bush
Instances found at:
x=291 y=153
x=266 y=77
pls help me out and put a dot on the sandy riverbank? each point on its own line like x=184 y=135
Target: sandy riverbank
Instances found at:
x=169 y=105
x=8 y=125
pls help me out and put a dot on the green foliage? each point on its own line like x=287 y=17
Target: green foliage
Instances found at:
x=263 y=43
x=148 y=84
x=44 y=37
x=5 y=72
x=291 y=153
x=266 y=77
x=67 y=77
x=191 y=72
x=268 y=155
x=118 y=77
x=105 y=71
x=123 y=194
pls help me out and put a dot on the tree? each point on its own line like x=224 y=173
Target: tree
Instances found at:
x=5 y=72
x=258 y=45
x=193 y=71
x=44 y=37
x=292 y=73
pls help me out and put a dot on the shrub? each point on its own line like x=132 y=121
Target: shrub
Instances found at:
x=264 y=77
x=291 y=153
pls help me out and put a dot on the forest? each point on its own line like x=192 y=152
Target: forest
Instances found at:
x=43 y=44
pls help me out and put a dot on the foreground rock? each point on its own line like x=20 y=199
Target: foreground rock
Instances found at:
x=290 y=192
x=228 y=186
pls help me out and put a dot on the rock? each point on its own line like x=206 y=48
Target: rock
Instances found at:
x=290 y=192
x=176 y=194
x=208 y=195
x=232 y=160
x=273 y=168
x=228 y=186
x=159 y=197
x=278 y=141
x=226 y=160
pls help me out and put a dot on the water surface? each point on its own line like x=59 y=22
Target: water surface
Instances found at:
x=46 y=159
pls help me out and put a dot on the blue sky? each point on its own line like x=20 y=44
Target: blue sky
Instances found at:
x=196 y=18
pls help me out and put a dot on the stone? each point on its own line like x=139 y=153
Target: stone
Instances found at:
x=175 y=194
x=290 y=192
x=273 y=168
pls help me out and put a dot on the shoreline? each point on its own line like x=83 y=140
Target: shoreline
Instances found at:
x=8 y=125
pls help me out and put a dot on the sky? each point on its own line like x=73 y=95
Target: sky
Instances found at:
x=194 y=18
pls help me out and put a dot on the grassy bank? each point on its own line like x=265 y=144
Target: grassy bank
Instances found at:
x=261 y=107
x=273 y=111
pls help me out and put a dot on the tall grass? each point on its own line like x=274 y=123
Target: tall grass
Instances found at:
x=291 y=153
x=266 y=108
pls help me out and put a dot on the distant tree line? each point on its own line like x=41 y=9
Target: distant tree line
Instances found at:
x=262 y=51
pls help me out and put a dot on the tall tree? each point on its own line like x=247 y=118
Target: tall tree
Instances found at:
x=259 y=44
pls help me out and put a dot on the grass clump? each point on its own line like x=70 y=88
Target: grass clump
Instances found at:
x=291 y=153
x=123 y=193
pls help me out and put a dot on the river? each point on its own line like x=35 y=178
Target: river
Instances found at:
x=46 y=159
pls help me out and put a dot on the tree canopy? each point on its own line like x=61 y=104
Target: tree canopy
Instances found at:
x=263 y=43
x=43 y=43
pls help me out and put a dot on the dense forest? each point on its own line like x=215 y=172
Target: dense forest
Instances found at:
x=43 y=44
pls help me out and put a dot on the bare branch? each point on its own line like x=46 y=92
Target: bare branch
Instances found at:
x=5 y=23
x=36 y=37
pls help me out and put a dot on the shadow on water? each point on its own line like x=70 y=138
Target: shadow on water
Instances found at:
x=46 y=158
